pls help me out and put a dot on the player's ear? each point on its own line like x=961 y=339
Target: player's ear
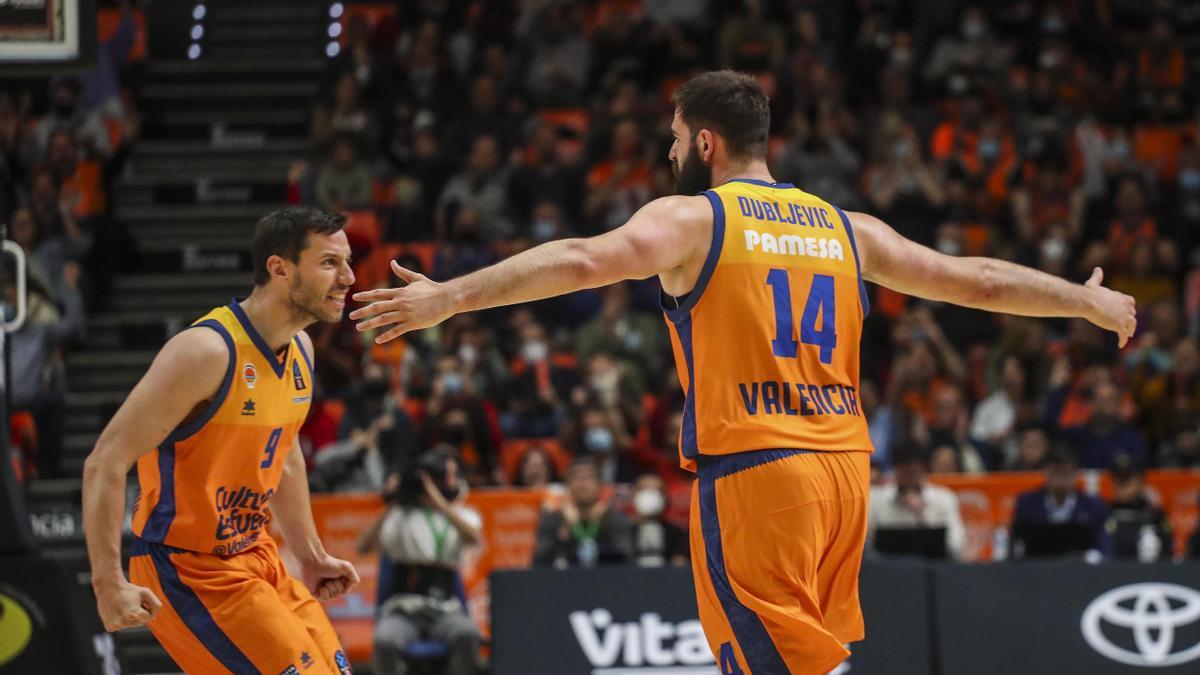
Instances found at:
x=704 y=144
x=277 y=267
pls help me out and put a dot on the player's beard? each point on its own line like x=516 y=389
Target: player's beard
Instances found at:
x=309 y=304
x=694 y=176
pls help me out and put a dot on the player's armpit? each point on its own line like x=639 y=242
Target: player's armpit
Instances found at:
x=187 y=372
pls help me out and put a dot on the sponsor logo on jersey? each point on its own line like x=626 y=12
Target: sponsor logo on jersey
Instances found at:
x=248 y=407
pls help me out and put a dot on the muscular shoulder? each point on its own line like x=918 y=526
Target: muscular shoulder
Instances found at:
x=195 y=359
x=693 y=210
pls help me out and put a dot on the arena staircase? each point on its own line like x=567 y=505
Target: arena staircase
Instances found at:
x=219 y=133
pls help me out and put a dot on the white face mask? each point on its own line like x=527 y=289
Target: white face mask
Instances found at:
x=647 y=503
x=535 y=352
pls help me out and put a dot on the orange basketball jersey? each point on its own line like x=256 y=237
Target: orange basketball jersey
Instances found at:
x=766 y=344
x=207 y=486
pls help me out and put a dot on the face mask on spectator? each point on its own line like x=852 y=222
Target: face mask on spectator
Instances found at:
x=989 y=149
x=534 y=351
x=598 y=439
x=604 y=382
x=543 y=229
x=648 y=503
x=948 y=246
x=1189 y=180
x=973 y=29
x=468 y=353
x=1053 y=249
x=452 y=384
x=455 y=434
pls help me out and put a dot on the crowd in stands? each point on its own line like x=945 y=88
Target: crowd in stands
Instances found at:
x=1060 y=135
x=62 y=142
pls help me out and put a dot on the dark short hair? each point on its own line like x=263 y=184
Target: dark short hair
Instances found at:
x=731 y=104
x=285 y=233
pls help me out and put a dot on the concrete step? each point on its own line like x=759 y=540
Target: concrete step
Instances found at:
x=268 y=186
x=174 y=148
x=193 y=301
x=198 y=124
x=267 y=92
x=109 y=360
x=207 y=213
x=306 y=50
x=207 y=166
x=269 y=13
x=288 y=31
x=231 y=70
x=158 y=283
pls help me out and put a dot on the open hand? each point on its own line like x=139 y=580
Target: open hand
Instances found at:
x=1111 y=310
x=421 y=303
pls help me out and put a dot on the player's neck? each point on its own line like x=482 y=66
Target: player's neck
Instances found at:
x=753 y=170
x=271 y=318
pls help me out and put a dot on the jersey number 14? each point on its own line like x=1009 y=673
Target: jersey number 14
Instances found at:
x=820 y=301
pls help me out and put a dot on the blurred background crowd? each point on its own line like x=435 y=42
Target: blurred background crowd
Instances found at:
x=1061 y=135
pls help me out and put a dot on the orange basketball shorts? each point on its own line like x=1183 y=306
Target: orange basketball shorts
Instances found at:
x=777 y=539
x=238 y=614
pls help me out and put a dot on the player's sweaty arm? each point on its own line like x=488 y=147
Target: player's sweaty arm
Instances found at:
x=187 y=372
x=660 y=237
x=891 y=260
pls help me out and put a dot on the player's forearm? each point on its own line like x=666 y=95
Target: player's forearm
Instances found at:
x=103 y=513
x=292 y=510
x=1000 y=286
x=552 y=269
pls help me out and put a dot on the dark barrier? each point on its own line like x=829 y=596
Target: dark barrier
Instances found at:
x=633 y=621
x=1032 y=618
x=40 y=627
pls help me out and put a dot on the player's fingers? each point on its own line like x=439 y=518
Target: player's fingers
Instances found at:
x=384 y=319
x=1097 y=277
x=351 y=575
x=138 y=617
x=150 y=601
x=406 y=275
x=373 y=309
x=376 y=294
x=400 y=329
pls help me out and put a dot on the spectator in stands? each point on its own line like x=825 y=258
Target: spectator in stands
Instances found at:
x=558 y=52
x=947 y=428
x=635 y=338
x=620 y=184
x=482 y=187
x=1140 y=529
x=68 y=114
x=538 y=388
x=484 y=116
x=345 y=114
x=996 y=417
x=1060 y=502
x=536 y=469
x=344 y=182
x=911 y=501
x=458 y=416
x=821 y=159
x=423 y=534
x=1105 y=436
x=656 y=542
x=599 y=433
x=375 y=436
x=583 y=531
x=80 y=181
x=37 y=384
x=1032 y=451
x=545 y=177
x=47 y=256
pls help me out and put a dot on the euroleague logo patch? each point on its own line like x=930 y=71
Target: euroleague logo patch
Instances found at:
x=343 y=663
x=250 y=374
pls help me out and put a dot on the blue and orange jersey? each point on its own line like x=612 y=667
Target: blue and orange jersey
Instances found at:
x=766 y=344
x=207 y=486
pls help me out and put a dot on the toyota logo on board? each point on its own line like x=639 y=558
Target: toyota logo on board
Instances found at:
x=1152 y=612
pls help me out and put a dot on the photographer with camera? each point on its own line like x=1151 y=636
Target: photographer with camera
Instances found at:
x=423 y=533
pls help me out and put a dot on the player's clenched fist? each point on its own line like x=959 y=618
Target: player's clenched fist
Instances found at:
x=124 y=605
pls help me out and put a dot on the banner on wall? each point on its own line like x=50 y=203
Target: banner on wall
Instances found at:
x=509 y=533
x=986 y=501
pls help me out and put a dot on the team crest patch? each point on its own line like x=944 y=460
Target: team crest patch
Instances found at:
x=297 y=376
x=290 y=670
x=250 y=374
x=342 y=662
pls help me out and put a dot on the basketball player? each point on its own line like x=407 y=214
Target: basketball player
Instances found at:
x=764 y=299
x=212 y=426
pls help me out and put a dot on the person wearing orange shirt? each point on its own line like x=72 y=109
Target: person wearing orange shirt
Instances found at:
x=764 y=298
x=213 y=427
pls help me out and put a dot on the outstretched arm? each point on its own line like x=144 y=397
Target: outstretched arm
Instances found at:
x=661 y=236
x=891 y=260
